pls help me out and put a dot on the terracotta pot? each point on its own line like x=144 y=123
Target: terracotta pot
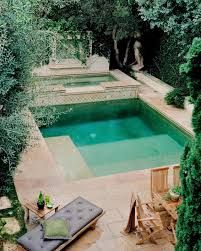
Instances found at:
x=41 y=206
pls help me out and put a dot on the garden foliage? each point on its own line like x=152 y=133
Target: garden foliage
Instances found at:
x=192 y=69
x=15 y=56
x=110 y=22
x=189 y=223
x=15 y=67
x=180 y=20
x=18 y=51
x=196 y=118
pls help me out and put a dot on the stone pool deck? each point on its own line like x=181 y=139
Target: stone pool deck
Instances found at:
x=39 y=170
x=112 y=193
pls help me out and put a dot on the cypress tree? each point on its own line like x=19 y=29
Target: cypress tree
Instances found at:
x=189 y=221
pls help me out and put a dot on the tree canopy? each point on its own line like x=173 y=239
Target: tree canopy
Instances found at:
x=188 y=227
x=17 y=59
x=14 y=72
x=110 y=21
x=179 y=17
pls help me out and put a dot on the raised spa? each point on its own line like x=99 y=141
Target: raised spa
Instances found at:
x=78 y=80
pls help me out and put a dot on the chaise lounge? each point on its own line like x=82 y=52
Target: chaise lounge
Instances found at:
x=80 y=213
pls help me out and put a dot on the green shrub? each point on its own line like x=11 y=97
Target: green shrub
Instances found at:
x=196 y=118
x=176 y=97
x=189 y=221
x=192 y=69
x=16 y=65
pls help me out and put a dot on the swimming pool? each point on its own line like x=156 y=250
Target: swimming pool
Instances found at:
x=78 y=80
x=119 y=136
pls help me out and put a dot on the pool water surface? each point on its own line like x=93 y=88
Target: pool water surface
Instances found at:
x=78 y=80
x=119 y=136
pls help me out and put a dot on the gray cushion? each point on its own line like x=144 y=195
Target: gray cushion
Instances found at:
x=79 y=213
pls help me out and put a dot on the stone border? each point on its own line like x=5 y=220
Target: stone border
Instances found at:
x=153 y=82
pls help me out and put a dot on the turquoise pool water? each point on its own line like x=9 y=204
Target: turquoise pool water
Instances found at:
x=78 y=80
x=120 y=136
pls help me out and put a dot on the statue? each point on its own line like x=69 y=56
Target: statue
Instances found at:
x=138 y=53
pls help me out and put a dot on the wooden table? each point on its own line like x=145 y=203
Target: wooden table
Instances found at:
x=32 y=206
x=171 y=207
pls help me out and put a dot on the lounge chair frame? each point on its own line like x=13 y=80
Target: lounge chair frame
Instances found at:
x=149 y=223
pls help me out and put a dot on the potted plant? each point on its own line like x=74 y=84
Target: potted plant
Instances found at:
x=47 y=199
x=41 y=201
x=175 y=193
x=48 y=202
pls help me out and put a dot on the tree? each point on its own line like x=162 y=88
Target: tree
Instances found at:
x=117 y=20
x=180 y=20
x=179 y=17
x=192 y=69
x=189 y=222
x=196 y=118
x=110 y=22
x=14 y=73
x=17 y=59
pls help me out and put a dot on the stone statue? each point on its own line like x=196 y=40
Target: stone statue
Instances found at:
x=138 y=53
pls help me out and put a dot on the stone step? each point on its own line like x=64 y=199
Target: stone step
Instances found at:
x=68 y=158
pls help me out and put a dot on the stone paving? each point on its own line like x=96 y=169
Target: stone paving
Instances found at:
x=39 y=171
x=12 y=225
x=7 y=246
x=4 y=203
